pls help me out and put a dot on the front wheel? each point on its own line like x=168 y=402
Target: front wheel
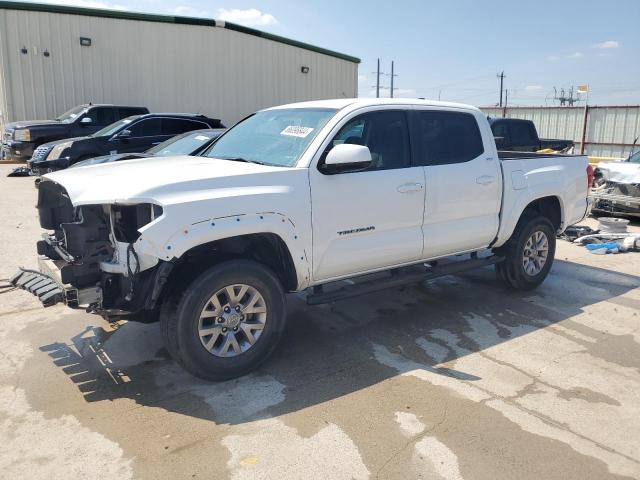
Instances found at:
x=529 y=254
x=227 y=322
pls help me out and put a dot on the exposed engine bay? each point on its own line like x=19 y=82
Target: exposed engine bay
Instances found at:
x=91 y=253
x=616 y=188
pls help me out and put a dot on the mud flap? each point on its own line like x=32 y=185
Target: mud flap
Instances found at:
x=42 y=286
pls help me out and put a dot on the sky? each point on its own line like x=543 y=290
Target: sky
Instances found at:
x=453 y=49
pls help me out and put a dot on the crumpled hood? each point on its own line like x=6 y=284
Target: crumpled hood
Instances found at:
x=620 y=172
x=162 y=179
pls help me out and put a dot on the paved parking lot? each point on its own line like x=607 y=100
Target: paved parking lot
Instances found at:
x=455 y=379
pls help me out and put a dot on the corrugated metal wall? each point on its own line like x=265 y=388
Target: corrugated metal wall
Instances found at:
x=610 y=131
x=164 y=66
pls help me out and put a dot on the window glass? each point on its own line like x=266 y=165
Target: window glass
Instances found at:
x=101 y=116
x=499 y=130
x=635 y=158
x=147 y=127
x=445 y=137
x=386 y=135
x=521 y=134
x=124 y=112
x=175 y=126
x=71 y=115
x=272 y=137
x=184 y=144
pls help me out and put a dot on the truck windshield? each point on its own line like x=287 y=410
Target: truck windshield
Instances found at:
x=272 y=137
x=114 y=127
x=71 y=115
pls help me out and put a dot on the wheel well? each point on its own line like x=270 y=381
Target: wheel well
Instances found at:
x=265 y=248
x=548 y=207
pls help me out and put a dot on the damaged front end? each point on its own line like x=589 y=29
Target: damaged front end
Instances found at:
x=90 y=260
x=617 y=188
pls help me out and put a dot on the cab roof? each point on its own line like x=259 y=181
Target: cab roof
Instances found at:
x=354 y=103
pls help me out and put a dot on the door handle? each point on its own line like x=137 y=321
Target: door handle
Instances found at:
x=410 y=187
x=485 y=179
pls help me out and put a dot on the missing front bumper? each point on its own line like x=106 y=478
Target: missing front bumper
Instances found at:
x=46 y=284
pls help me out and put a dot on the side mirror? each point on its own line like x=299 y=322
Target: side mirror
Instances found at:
x=86 y=121
x=346 y=158
x=124 y=134
x=499 y=142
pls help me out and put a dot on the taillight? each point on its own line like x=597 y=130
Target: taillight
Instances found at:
x=589 y=177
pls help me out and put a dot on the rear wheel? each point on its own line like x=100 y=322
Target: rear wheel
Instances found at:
x=227 y=322
x=529 y=254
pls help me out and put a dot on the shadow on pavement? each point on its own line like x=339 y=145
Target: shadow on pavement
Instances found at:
x=329 y=351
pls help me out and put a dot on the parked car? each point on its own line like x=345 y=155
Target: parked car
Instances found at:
x=616 y=187
x=190 y=143
x=129 y=135
x=298 y=198
x=20 y=139
x=517 y=135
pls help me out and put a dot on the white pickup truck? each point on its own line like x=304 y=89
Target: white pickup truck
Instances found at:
x=298 y=198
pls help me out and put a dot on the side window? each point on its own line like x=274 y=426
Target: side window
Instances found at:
x=441 y=138
x=175 y=126
x=500 y=130
x=101 y=116
x=124 y=112
x=635 y=158
x=146 y=128
x=386 y=135
x=521 y=134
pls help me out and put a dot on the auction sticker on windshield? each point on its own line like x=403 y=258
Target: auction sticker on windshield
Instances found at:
x=296 y=131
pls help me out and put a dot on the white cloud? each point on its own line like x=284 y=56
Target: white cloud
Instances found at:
x=553 y=58
x=250 y=17
x=187 y=11
x=362 y=78
x=607 y=44
x=86 y=4
x=533 y=88
x=576 y=55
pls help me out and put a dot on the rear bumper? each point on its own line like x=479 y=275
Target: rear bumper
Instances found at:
x=46 y=284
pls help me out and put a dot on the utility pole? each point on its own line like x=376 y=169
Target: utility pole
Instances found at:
x=378 y=81
x=506 y=98
x=392 y=75
x=501 y=76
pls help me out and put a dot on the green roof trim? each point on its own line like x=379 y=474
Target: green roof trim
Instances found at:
x=152 y=17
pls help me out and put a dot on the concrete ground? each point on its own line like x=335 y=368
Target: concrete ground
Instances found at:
x=455 y=379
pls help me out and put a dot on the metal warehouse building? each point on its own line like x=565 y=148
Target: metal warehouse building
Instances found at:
x=54 y=57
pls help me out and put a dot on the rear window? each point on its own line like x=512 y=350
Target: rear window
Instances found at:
x=175 y=126
x=441 y=138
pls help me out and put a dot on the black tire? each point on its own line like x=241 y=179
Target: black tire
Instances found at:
x=179 y=320
x=511 y=271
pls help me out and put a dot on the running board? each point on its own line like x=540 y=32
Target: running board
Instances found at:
x=396 y=278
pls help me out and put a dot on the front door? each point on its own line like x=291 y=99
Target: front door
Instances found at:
x=369 y=219
x=463 y=182
x=144 y=134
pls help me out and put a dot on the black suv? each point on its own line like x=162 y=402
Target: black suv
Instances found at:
x=20 y=139
x=129 y=135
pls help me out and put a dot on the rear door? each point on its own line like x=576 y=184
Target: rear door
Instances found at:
x=369 y=219
x=463 y=182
